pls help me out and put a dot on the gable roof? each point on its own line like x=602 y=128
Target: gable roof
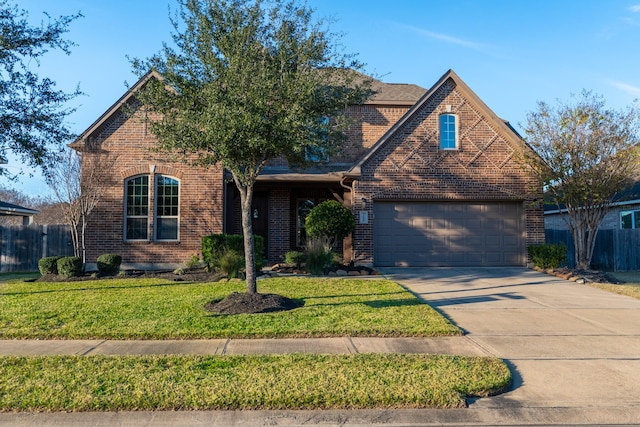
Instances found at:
x=78 y=144
x=502 y=125
x=384 y=94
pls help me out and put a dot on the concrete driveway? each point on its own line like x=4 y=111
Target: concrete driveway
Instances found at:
x=574 y=350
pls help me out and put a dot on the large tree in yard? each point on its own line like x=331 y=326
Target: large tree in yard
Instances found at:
x=586 y=154
x=248 y=82
x=32 y=110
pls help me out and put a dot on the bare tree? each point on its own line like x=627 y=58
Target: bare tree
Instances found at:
x=586 y=154
x=78 y=186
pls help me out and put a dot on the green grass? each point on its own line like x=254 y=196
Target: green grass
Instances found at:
x=294 y=381
x=630 y=287
x=160 y=309
x=8 y=277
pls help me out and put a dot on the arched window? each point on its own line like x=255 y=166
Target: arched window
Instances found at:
x=137 y=208
x=167 y=208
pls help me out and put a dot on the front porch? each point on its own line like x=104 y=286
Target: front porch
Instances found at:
x=280 y=207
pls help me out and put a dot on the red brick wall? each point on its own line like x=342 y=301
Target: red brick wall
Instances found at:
x=411 y=165
x=124 y=148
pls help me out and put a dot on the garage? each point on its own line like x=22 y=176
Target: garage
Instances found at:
x=443 y=234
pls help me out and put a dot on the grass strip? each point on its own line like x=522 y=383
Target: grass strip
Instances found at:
x=293 y=381
x=630 y=290
x=161 y=309
x=630 y=287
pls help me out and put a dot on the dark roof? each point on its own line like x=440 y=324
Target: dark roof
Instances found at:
x=630 y=194
x=11 y=209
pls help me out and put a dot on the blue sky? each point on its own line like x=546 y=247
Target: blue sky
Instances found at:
x=511 y=53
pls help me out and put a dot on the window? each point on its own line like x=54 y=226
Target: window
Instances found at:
x=448 y=132
x=167 y=199
x=137 y=208
x=630 y=219
x=319 y=153
x=304 y=206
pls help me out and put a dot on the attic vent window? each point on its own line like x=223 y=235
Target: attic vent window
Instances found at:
x=448 y=132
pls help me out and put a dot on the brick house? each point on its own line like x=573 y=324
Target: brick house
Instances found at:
x=430 y=175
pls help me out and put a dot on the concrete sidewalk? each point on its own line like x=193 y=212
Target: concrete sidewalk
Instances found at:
x=343 y=345
x=574 y=352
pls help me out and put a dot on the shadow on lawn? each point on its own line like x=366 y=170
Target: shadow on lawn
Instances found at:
x=101 y=288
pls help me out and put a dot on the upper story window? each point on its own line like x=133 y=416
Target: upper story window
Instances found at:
x=167 y=203
x=138 y=215
x=630 y=219
x=137 y=208
x=319 y=154
x=448 y=132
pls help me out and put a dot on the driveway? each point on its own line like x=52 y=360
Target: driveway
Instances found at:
x=574 y=350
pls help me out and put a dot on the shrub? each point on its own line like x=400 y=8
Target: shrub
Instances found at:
x=193 y=262
x=109 y=263
x=294 y=257
x=330 y=219
x=48 y=265
x=548 y=255
x=215 y=245
x=318 y=255
x=231 y=263
x=70 y=266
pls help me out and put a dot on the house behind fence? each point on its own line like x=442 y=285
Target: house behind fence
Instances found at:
x=615 y=250
x=23 y=246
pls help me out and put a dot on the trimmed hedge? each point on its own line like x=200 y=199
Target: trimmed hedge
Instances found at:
x=109 y=263
x=548 y=255
x=330 y=219
x=70 y=266
x=48 y=265
x=215 y=246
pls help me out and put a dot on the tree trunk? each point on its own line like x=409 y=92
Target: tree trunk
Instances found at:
x=246 y=199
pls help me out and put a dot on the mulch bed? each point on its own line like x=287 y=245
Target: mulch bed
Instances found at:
x=244 y=303
x=582 y=276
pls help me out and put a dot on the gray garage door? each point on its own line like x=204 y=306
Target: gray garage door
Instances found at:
x=430 y=234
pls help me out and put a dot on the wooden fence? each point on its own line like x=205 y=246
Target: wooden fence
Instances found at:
x=615 y=250
x=23 y=246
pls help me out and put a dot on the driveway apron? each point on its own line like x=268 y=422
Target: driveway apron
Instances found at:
x=573 y=349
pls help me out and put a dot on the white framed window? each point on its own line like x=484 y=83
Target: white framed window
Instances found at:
x=630 y=219
x=448 y=131
x=137 y=208
x=167 y=208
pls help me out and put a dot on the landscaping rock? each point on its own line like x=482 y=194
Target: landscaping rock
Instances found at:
x=353 y=273
x=341 y=273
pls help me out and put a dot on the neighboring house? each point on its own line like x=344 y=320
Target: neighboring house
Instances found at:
x=9 y=209
x=430 y=175
x=623 y=214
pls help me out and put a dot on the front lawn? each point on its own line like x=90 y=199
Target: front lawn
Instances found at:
x=630 y=287
x=132 y=308
x=294 y=381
